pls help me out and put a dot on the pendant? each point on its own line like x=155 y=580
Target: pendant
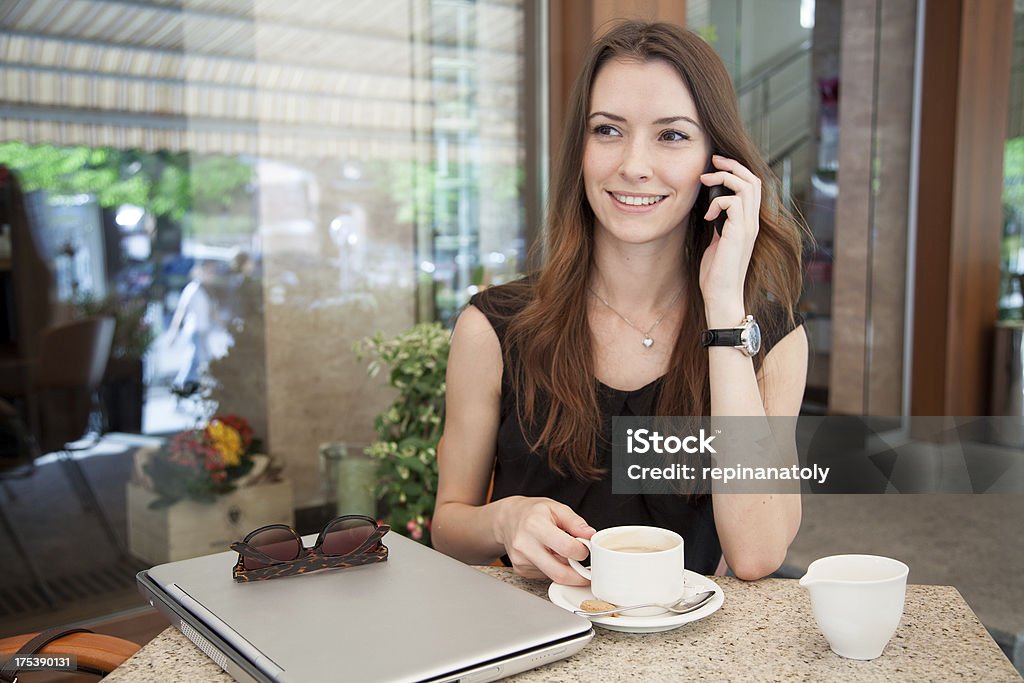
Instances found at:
x=648 y=342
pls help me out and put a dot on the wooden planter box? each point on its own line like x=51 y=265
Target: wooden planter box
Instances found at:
x=190 y=529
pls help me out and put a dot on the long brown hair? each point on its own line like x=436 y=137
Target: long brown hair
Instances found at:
x=554 y=375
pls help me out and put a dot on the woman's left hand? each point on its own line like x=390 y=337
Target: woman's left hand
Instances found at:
x=723 y=268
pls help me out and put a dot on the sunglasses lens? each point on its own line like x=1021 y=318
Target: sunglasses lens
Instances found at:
x=281 y=544
x=345 y=535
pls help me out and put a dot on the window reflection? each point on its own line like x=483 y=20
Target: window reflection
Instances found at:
x=318 y=171
x=1011 y=300
x=372 y=177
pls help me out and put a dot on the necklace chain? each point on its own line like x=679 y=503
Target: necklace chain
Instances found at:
x=648 y=341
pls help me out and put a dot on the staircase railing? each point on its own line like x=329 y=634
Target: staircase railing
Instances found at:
x=784 y=158
x=767 y=94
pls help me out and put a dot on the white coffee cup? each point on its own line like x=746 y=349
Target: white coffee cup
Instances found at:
x=857 y=601
x=634 y=565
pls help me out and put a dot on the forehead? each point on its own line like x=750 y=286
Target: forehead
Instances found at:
x=624 y=85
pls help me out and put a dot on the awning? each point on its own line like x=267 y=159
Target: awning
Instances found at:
x=281 y=78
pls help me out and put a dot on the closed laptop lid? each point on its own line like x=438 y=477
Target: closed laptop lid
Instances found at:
x=418 y=616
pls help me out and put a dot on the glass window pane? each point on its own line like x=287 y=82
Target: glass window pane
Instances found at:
x=322 y=171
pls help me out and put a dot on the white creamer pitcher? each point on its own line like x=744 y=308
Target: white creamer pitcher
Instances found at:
x=857 y=601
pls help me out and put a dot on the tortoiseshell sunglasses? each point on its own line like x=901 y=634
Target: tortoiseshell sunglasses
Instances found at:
x=276 y=550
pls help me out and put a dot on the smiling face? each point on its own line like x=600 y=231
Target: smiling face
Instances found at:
x=644 y=152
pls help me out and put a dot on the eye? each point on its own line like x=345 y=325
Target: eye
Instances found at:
x=673 y=136
x=603 y=129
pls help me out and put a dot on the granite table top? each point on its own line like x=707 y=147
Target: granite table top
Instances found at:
x=764 y=632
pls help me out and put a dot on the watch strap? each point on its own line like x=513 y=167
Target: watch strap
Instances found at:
x=729 y=336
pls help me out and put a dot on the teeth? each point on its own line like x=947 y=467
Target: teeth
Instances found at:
x=637 y=201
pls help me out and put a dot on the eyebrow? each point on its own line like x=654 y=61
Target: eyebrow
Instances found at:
x=660 y=122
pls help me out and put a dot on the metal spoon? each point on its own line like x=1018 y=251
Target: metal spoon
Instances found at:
x=681 y=607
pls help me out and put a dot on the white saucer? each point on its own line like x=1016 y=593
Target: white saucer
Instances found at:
x=570 y=597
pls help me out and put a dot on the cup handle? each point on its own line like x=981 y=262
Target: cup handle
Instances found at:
x=580 y=569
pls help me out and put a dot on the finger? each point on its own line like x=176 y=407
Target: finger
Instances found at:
x=569 y=547
x=570 y=527
x=720 y=204
x=565 y=518
x=566 y=576
x=527 y=571
x=734 y=167
x=559 y=571
x=539 y=563
x=727 y=179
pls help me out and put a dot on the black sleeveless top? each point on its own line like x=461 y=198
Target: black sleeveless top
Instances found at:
x=518 y=471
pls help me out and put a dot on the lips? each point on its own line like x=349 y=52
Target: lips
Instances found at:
x=638 y=200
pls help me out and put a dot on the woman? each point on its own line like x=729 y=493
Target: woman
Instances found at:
x=613 y=324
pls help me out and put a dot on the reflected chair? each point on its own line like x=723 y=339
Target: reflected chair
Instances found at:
x=69 y=369
x=18 y=452
x=66 y=374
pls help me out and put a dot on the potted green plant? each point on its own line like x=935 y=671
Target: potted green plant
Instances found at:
x=408 y=431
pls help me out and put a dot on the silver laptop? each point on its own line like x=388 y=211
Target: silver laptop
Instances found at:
x=419 y=616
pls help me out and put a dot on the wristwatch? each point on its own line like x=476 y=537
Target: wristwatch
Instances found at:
x=746 y=337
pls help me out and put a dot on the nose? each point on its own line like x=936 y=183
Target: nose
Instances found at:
x=636 y=165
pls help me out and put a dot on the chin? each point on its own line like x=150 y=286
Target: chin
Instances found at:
x=640 y=234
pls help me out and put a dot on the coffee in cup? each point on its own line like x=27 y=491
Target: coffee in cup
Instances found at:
x=633 y=547
x=634 y=565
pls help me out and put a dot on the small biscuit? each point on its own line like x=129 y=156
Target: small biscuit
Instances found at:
x=597 y=606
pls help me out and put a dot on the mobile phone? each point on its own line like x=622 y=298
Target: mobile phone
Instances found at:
x=709 y=194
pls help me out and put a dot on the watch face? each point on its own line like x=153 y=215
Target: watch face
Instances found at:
x=753 y=342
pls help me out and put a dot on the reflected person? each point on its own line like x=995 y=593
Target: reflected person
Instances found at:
x=193 y=318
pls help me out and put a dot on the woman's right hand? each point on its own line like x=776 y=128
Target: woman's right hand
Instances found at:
x=539 y=534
